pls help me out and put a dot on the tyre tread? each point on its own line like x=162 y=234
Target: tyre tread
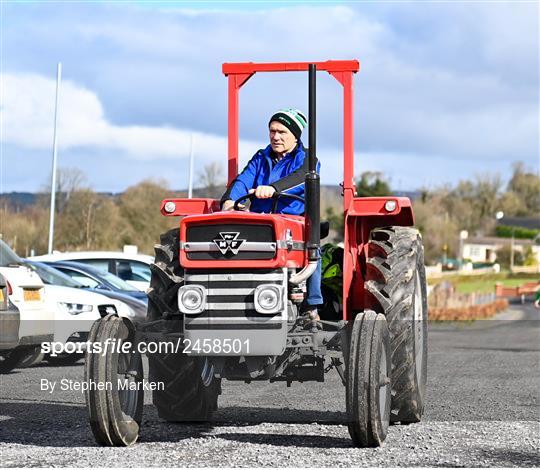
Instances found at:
x=395 y=253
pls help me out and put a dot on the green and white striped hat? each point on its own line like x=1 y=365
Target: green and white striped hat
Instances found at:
x=292 y=119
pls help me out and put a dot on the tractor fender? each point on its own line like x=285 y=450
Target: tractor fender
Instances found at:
x=376 y=209
x=363 y=215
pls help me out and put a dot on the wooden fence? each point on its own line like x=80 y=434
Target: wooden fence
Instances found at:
x=445 y=303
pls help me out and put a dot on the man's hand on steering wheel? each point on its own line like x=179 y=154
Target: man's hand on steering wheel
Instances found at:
x=263 y=192
x=267 y=193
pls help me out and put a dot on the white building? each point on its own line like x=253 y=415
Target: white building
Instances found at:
x=484 y=249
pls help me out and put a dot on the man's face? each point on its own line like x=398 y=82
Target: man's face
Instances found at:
x=282 y=139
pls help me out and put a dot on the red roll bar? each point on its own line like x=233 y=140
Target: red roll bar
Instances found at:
x=341 y=70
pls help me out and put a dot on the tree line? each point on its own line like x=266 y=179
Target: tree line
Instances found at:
x=86 y=220
x=441 y=213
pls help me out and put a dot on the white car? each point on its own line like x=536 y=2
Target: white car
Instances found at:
x=76 y=309
x=133 y=268
x=26 y=291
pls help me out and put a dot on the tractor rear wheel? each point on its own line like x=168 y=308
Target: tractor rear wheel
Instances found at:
x=115 y=396
x=368 y=381
x=396 y=287
x=190 y=390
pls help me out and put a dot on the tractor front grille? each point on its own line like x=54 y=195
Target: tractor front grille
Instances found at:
x=230 y=299
x=230 y=241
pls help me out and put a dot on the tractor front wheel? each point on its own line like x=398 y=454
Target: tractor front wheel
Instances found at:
x=115 y=396
x=368 y=380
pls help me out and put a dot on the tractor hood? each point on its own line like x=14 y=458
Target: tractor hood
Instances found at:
x=242 y=239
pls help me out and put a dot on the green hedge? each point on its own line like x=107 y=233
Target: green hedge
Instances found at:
x=505 y=231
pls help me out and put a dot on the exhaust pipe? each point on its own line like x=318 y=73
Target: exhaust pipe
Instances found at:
x=313 y=183
x=312 y=191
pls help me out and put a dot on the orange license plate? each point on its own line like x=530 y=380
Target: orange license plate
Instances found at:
x=31 y=295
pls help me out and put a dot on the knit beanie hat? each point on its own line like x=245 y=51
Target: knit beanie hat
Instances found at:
x=292 y=119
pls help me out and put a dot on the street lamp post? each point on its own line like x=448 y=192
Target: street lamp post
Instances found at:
x=55 y=146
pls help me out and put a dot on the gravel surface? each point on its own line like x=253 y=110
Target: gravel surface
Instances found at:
x=482 y=410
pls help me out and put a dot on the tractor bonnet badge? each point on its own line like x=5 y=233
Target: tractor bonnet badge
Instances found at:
x=228 y=242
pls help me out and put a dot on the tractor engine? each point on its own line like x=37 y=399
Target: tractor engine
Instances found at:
x=238 y=298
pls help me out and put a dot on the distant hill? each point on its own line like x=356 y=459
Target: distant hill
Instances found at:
x=16 y=199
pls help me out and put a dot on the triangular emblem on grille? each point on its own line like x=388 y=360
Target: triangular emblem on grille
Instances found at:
x=229 y=241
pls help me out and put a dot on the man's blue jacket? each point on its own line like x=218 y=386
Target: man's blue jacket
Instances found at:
x=286 y=175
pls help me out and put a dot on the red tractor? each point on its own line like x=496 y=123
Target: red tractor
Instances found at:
x=226 y=288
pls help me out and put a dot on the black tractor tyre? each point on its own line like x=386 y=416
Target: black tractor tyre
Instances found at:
x=12 y=358
x=368 y=386
x=190 y=390
x=115 y=412
x=396 y=287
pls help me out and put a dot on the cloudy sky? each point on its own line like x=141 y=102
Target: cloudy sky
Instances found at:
x=446 y=90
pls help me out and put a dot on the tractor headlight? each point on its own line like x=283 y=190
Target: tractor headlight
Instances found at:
x=390 y=205
x=191 y=299
x=268 y=298
x=169 y=207
x=73 y=308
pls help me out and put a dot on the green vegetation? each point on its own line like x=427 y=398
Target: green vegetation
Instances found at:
x=481 y=286
x=371 y=184
x=486 y=283
x=505 y=231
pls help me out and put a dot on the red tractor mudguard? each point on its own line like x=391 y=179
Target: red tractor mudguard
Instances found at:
x=363 y=215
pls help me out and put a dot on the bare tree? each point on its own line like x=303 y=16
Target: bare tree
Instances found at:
x=526 y=185
x=212 y=180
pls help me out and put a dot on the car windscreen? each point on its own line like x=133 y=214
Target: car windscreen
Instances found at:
x=7 y=255
x=116 y=281
x=52 y=276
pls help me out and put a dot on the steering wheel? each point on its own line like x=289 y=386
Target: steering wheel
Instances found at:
x=275 y=197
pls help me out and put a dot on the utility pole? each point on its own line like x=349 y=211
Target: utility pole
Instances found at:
x=190 y=184
x=55 y=150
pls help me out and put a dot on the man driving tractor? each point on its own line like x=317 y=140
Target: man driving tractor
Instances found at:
x=280 y=167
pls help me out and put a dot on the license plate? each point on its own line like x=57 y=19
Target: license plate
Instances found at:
x=31 y=295
x=1 y=295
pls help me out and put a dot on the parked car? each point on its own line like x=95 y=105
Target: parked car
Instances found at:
x=26 y=291
x=132 y=268
x=98 y=279
x=76 y=309
x=135 y=299
x=9 y=330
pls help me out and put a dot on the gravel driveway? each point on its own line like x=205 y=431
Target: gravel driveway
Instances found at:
x=482 y=410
